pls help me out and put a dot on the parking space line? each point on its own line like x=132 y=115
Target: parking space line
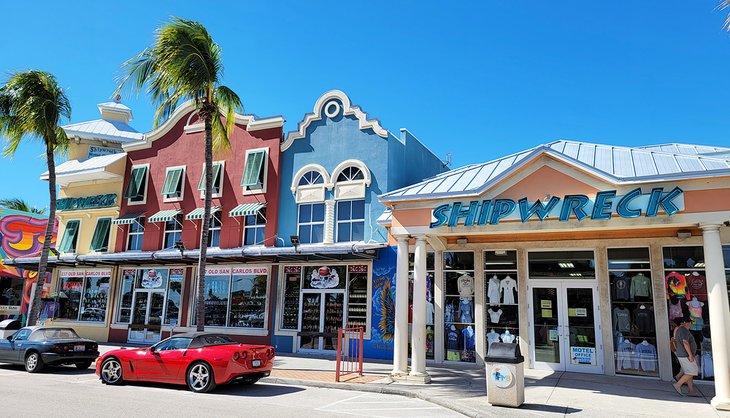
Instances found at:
x=340 y=401
x=391 y=409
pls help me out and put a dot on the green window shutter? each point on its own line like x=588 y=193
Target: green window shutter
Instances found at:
x=68 y=242
x=100 y=241
x=216 y=176
x=172 y=182
x=136 y=179
x=252 y=170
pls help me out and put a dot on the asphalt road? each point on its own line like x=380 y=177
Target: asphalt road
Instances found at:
x=67 y=392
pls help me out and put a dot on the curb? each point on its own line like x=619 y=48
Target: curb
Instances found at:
x=384 y=389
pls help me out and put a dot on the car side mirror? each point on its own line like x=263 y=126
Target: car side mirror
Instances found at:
x=10 y=338
x=153 y=350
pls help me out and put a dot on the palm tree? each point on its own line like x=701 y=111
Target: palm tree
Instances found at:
x=184 y=63
x=21 y=205
x=724 y=4
x=31 y=106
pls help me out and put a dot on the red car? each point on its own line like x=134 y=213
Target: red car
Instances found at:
x=200 y=360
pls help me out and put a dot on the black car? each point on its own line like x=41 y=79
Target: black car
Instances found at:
x=40 y=346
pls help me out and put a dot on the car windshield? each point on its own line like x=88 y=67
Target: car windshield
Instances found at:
x=59 y=334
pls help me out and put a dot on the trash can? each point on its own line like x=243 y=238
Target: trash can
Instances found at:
x=505 y=375
x=8 y=327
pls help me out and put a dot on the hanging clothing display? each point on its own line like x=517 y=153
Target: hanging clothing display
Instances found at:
x=625 y=356
x=646 y=356
x=677 y=286
x=429 y=313
x=494 y=315
x=706 y=363
x=492 y=337
x=622 y=319
x=468 y=338
x=621 y=288
x=675 y=311
x=453 y=338
x=449 y=313
x=493 y=290
x=640 y=287
x=465 y=312
x=507 y=287
x=695 y=314
x=465 y=284
x=507 y=337
x=644 y=320
x=697 y=285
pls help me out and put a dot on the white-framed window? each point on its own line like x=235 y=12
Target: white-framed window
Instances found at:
x=173 y=231
x=169 y=281
x=255 y=171
x=214 y=232
x=311 y=223
x=83 y=294
x=173 y=188
x=350 y=180
x=350 y=220
x=309 y=184
x=218 y=175
x=254 y=228
x=311 y=178
x=136 y=191
x=135 y=234
x=100 y=240
x=70 y=236
x=350 y=174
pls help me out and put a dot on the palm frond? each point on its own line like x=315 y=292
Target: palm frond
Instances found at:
x=20 y=205
x=724 y=4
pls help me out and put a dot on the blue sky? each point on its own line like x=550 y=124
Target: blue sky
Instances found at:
x=476 y=79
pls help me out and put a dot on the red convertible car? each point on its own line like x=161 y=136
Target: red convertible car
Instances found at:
x=200 y=360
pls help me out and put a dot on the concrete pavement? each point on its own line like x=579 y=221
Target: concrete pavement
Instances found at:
x=462 y=388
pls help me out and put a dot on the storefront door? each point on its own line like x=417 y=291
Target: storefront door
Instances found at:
x=565 y=327
x=147 y=310
x=322 y=315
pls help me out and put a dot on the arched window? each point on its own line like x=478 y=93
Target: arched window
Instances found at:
x=350 y=174
x=308 y=186
x=352 y=179
x=311 y=178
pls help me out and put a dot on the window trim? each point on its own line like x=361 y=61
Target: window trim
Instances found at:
x=165 y=231
x=211 y=229
x=201 y=183
x=310 y=223
x=108 y=238
x=129 y=232
x=130 y=202
x=182 y=181
x=76 y=233
x=250 y=227
x=265 y=168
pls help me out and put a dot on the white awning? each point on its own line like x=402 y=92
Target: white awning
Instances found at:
x=199 y=212
x=164 y=215
x=246 y=209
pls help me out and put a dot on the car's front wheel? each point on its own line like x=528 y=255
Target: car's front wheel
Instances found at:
x=33 y=362
x=83 y=366
x=200 y=378
x=111 y=371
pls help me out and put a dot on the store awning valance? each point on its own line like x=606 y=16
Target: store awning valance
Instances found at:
x=127 y=219
x=164 y=215
x=198 y=213
x=246 y=209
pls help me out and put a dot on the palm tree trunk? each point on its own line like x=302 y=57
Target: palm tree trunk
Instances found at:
x=43 y=264
x=207 y=114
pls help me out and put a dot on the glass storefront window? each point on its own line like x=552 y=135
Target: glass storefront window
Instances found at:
x=501 y=297
x=357 y=297
x=216 y=299
x=292 y=285
x=125 y=301
x=248 y=301
x=459 y=333
x=686 y=289
x=430 y=274
x=83 y=295
x=562 y=265
x=174 y=292
x=632 y=312
x=11 y=291
x=236 y=297
x=324 y=277
x=160 y=288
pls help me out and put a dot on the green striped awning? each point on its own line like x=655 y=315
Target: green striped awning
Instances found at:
x=127 y=219
x=198 y=213
x=246 y=209
x=164 y=215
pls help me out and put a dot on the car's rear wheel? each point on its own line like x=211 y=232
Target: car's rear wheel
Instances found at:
x=83 y=366
x=200 y=378
x=33 y=362
x=111 y=371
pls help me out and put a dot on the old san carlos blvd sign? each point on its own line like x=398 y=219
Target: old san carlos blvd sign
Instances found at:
x=633 y=204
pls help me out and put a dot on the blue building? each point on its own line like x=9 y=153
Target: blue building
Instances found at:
x=339 y=267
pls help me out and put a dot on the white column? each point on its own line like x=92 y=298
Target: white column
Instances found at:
x=418 y=340
x=719 y=314
x=329 y=222
x=400 y=345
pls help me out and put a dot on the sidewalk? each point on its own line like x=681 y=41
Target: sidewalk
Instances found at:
x=462 y=388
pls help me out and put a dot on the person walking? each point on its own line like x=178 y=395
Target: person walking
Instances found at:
x=686 y=349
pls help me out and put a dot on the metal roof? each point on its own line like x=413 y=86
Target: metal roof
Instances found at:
x=78 y=170
x=686 y=149
x=613 y=163
x=104 y=129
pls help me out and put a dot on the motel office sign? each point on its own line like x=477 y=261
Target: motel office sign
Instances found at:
x=633 y=204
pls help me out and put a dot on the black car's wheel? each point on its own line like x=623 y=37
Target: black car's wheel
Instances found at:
x=83 y=366
x=200 y=378
x=33 y=362
x=111 y=371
